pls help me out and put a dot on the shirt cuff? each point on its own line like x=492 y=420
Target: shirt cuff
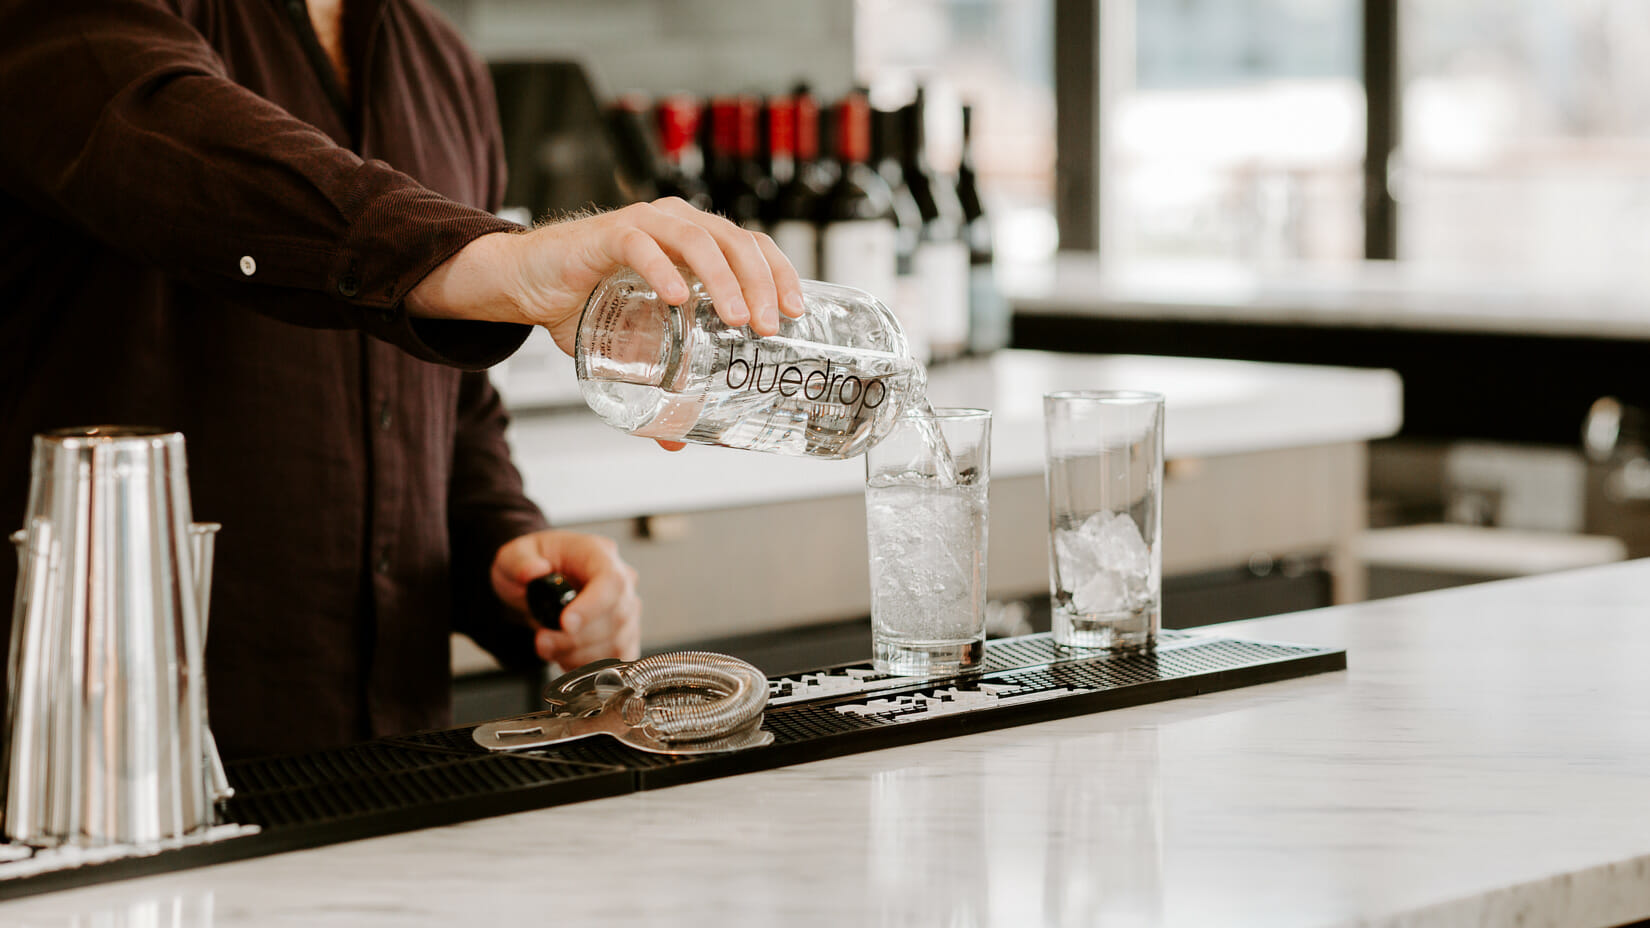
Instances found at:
x=395 y=239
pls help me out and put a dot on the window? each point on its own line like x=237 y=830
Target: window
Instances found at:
x=1236 y=135
x=997 y=56
x=1526 y=137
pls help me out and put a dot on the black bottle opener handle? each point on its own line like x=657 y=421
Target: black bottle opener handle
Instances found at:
x=547 y=597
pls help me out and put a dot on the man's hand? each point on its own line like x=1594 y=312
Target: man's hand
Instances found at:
x=604 y=620
x=543 y=277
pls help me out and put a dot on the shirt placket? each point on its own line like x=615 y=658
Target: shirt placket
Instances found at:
x=390 y=481
x=388 y=477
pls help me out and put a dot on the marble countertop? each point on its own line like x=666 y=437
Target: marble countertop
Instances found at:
x=581 y=470
x=1376 y=295
x=1483 y=761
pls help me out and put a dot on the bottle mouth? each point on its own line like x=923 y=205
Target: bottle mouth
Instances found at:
x=624 y=334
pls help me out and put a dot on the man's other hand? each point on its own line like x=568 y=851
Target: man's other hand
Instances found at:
x=604 y=620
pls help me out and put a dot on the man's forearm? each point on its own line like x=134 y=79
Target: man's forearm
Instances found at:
x=479 y=282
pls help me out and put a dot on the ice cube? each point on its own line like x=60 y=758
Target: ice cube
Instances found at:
x=1101 y=592
x=1120 y=546
x=1074 y=555
x=1105 y=540
x=1104 y=563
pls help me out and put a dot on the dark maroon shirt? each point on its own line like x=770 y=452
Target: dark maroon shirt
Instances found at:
x=195 y=235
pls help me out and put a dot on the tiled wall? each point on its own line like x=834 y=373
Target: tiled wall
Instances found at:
x=658 y=46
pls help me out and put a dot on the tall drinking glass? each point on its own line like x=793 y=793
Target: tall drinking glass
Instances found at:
x=1105 y=509
x=926 y=486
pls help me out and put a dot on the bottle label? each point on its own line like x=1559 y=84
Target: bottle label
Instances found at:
x=943 y=269
x=861 y=254
x=800 y=242
x=809 y=380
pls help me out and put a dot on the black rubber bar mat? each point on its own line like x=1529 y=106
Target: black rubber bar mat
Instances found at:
x=442 y=777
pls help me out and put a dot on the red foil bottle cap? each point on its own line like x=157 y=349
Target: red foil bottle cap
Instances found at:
x=807 y=127
x=781 y=126
x=678 y=123
x=724 y=126
x=748 y=138
x=853 y=129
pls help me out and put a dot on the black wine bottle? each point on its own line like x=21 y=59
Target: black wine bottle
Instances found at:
x=791 y=213
x=735 y=177
x=942 y=253
x=856 y=217
x=678 y=118
x=988 y=314
x=908 y=301
x=638 y=163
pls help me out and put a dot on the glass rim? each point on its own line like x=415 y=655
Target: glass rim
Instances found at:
x=948 y=412
x=1120 y=397
x=105 y=432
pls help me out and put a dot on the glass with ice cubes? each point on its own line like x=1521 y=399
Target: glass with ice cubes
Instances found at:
x=1104 y=470
x=926 y=485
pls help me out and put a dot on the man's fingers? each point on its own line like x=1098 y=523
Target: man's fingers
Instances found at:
x=688 y=239
x=626 y=650
x=785 y=278
x=600 y=596
x=554 y=646
x=616 y=634
x=517 y=563
x=743 y=253
x=639 y=249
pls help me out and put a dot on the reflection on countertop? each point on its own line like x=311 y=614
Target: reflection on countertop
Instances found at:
x=125 y=909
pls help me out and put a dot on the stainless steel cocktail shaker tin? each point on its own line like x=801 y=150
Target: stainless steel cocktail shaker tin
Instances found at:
x=107 y=740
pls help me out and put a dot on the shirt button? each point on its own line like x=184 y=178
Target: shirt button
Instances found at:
x=384 y=418
x=348 y=285
x=248 y=266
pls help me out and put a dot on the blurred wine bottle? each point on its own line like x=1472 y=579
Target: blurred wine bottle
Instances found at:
x=796 y=201
x=942 y=252
x=815 y=139
x=989 y=320
x=735 y=178
x=908 y=301
x=638 y=163
x=856 y=217
x=678 y=120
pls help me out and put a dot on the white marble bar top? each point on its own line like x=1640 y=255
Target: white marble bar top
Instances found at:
x=1374 y=295
x=581 y=470
x=1485 y=760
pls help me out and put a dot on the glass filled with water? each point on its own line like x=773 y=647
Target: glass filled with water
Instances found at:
x=1104 y=471
x=926 y=486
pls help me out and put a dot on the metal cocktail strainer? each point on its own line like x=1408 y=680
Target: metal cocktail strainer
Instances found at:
x=689 y=702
